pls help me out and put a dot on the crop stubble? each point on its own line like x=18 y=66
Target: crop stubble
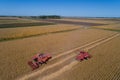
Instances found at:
x=104 y=65
x=15 y=54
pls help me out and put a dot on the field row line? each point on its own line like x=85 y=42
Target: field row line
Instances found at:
x=70 y=51
x=86 y=45
x=73 y=63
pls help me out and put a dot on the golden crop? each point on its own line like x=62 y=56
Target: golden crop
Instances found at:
x=15 y=54
x=104 y=65
x=110 y=26
x=15 y=33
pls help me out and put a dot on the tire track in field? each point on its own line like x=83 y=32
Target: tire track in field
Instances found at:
x=66 y=67
x=69 y=66
x=88 y=44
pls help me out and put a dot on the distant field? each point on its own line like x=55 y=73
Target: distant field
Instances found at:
x=111 y=27
x=17 y=33
x=7 y=21
x=17 y=22
x=75 y=22
x=98 y=21
x=14 y=20
x=16 y=25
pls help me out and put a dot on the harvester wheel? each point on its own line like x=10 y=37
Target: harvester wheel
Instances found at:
x=45 y=62
x=81 y=60
x=85 y=58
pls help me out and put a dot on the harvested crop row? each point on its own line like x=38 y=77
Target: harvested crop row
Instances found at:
x=15 y=54
x=67 y=67
x=17 y=33
x=63 y=60
x=103 y=66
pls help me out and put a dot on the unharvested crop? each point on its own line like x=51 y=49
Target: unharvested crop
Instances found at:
x=104 y=64
x=15 y=54
x=18 y=33
x=114 y=27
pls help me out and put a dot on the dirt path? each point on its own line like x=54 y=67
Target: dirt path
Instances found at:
x=64 y=67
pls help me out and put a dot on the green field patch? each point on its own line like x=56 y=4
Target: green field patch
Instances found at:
x=15 y=25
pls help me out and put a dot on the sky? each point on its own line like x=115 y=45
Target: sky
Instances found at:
x=75 y=8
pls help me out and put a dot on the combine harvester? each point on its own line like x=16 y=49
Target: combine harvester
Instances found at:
x=83 y=55
x=39 y=59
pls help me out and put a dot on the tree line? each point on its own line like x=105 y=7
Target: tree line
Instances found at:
x=38 y=17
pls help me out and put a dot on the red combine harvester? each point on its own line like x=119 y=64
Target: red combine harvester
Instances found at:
x=83 y=55
x=39 y=59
